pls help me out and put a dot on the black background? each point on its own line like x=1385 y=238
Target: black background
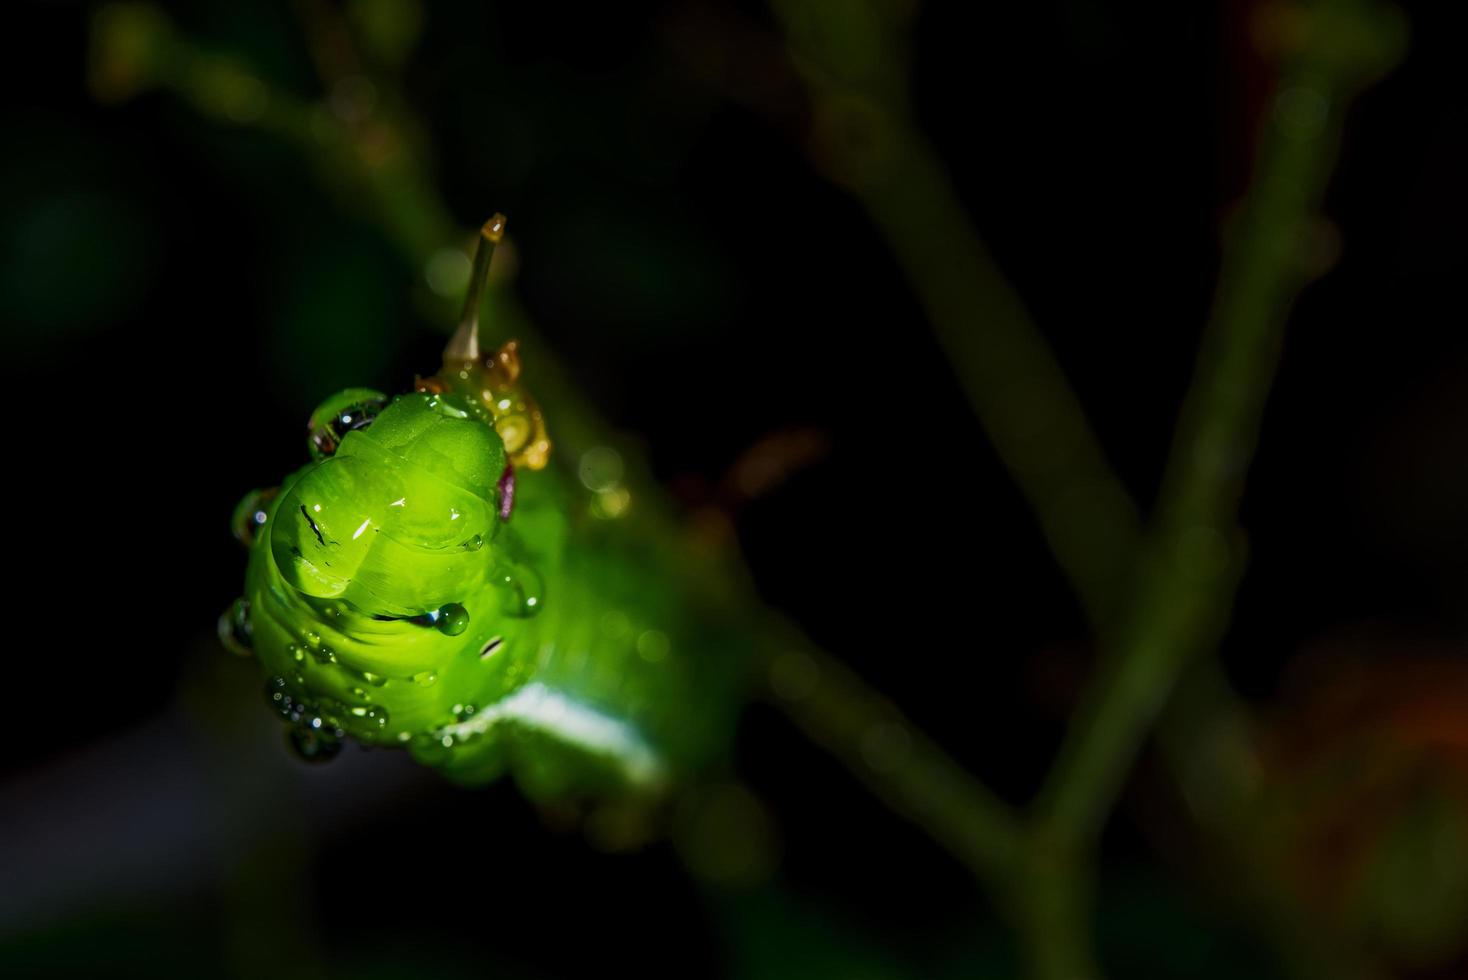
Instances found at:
x=153 y=377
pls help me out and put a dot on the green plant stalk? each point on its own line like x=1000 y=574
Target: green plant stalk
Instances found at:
x=1188 y=566
x=864 y=140
x=897 y=763
x=1009 y=374
x=1192 y=559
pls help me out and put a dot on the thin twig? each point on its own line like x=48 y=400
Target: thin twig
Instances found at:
x=1191 y=561
x=864 y=139
x=1188 y=565
x=912 y=774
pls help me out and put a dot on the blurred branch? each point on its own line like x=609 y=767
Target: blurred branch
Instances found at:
x=851 y=59
x=1188 y=563
x=849 y=66
x=1191 y=561
x=907 y=770
x=363 y=142
x=377 y=157
x=1192 y=557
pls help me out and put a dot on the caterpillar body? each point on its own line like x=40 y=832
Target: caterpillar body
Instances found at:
x=436 y=580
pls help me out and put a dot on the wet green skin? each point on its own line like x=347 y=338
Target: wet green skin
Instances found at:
x=606 y=677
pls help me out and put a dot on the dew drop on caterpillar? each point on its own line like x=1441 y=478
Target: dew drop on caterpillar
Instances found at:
x=434 y=579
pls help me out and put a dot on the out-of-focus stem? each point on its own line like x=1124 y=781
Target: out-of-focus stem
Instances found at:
x=897 y=762
x=1187 y=566
x=864 y=139
x=1191 y=559
x=1009 y=374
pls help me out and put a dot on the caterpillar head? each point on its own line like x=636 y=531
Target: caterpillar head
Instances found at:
x=393 y=520
x=386 y=595
x=408 y=492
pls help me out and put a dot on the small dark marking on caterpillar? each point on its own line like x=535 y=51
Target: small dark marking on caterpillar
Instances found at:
x=314 y=529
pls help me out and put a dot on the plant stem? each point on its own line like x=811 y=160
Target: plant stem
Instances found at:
x=906 y=769
x=864 y=139
x=1188 y=565
x=1049 y=902
x=1192 y=559
x=1009 y=374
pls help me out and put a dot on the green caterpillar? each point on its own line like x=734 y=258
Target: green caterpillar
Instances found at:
x=434 y=580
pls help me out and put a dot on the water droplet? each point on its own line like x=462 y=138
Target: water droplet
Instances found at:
x=346 y=411
x=524 y=590
x=463 y=712
x=376 y=714
x=473 y=544
x=250 y=515
x=376 y=680
x=278 y=696
x=453 y=619
x=448 y=406
x=332 y=710
x=235 y=631
x=322 y=653
x=314 y=743
x=425 y=678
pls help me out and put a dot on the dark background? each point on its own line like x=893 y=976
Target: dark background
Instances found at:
x=174 y=293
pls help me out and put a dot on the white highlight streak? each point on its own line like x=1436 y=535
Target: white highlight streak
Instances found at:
x=543 y=709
